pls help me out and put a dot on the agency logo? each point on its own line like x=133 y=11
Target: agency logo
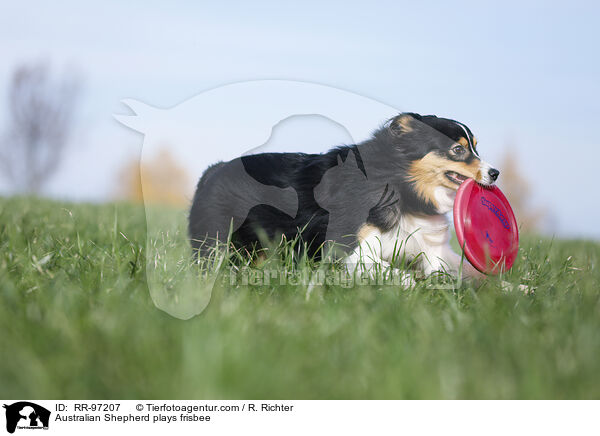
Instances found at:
x=26 y=415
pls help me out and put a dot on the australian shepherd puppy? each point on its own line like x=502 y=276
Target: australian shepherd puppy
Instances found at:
x=380 y=200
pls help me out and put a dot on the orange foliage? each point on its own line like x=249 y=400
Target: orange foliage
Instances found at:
x=518 y=192
x=160 y=180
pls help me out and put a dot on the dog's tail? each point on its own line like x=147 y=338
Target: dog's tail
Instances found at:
x=197 y=225
x=208 y=173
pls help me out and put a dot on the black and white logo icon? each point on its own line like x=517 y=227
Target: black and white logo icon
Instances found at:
x=26 y=415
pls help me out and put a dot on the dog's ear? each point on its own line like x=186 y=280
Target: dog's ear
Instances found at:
x=404 y=123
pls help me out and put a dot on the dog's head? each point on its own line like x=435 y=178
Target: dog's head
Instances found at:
x=442 y=154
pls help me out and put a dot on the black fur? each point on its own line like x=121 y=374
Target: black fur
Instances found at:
x=233 y=195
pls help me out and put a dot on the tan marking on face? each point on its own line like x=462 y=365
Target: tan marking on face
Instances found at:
x=404 y=122
x=364 y=232
x=463 y=141
x=474 y=141
x=429 y=173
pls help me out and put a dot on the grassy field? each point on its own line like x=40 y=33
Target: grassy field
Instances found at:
x=77 y=321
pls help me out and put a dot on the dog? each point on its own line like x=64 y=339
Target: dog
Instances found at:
x=379 y=200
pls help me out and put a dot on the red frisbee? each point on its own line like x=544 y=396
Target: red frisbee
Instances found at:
x=486 y=227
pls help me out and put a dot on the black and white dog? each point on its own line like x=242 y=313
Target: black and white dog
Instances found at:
x=387 y=194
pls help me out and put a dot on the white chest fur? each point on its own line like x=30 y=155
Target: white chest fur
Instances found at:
x=444 y=198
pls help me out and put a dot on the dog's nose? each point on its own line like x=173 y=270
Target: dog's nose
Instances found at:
x=494 y=173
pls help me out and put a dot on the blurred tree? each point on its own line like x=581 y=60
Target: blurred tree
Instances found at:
x=159 y=180
x=40 y=111
x=517 y=189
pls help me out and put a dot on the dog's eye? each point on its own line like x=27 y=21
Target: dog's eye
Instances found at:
x=458 y=149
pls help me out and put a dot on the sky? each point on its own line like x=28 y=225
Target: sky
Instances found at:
x=524 y=74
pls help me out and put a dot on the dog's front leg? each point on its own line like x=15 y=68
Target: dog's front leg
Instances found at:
x=367 y=258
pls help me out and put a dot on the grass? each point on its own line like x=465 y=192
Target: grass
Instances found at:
x=77 y=321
